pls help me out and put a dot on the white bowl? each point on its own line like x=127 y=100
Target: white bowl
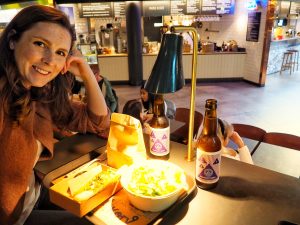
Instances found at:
x=148 y=190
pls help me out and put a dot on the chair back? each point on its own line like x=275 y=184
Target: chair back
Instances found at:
x=183 y=115
x=249 y=131
x=282 y=139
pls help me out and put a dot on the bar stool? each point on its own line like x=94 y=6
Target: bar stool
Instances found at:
x=295 y=57
x=287 y=62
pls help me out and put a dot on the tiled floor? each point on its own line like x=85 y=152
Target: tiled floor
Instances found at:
x=275 y=107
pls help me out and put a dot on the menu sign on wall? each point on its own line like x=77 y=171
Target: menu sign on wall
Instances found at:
x=295 y=8
x=209 y=7
x=224 y=7
x=212 y=7
x=98 y=9
x=156 y=8
x=253 y=26
x=193 y=7
x=119 y=9
x=178 y=7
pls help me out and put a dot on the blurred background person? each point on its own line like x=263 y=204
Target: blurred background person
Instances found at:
x=142 y=110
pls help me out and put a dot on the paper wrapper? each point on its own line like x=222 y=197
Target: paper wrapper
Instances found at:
x=125 y=143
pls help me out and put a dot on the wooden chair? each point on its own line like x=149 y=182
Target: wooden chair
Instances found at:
x=183 y=115
x=282 y=139
x=251 y=132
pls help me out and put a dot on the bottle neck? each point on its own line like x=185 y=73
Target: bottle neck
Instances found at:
x=159 y=105
x=210 y=122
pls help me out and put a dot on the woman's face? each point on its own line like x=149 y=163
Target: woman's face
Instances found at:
x=41 y=53
x=144 y=95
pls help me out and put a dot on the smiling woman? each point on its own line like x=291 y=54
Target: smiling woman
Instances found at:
x=36 y=74
x=40 y=56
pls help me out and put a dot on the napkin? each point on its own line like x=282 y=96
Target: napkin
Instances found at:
x=125 y=143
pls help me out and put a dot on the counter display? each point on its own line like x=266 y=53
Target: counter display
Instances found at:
x=277 y=48
x=213 y=65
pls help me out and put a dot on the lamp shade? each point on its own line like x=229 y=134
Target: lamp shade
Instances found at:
x=167 y=73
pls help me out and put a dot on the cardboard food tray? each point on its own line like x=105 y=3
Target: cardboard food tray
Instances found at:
x=60 y=196
x=117 y=210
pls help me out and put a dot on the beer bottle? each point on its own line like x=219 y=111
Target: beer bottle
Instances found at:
x=160 y=131
x=209 y=146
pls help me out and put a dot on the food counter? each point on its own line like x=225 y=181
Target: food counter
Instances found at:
x=277 y=48
x=214 y=65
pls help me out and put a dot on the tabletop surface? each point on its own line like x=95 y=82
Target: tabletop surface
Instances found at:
x=277 y=158
x=246 y=194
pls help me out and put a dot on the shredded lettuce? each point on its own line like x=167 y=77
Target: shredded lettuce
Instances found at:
x=153 y=181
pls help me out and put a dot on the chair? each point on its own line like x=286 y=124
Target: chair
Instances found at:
x=282 y=139
x=251 y=132
x=183 y=115
x=295 y=57
x=287 y=62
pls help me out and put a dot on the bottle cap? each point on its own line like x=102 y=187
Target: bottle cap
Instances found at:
x=211 y=104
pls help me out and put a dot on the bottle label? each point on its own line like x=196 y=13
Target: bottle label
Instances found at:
x=160 y=141
x=208 y=166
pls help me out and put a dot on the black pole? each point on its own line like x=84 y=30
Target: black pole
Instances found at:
x=134 y=42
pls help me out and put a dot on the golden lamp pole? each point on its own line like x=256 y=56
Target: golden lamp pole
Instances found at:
x=177 y=29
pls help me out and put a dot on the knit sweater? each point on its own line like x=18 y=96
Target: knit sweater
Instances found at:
x=18 y=150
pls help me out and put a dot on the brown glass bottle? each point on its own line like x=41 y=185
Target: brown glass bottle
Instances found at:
x=160 y=131
x=209 y=146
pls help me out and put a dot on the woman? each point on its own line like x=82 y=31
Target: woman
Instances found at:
x=226 y=133
x=35 y=81
x=142 y=108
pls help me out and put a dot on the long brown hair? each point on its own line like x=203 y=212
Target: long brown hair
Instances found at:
x=16 y=99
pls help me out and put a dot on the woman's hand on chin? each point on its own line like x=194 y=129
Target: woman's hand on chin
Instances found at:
x=76 y=64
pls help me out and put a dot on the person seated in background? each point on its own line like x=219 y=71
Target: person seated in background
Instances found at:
x=108 y=92
x=141 y=108
x=226 y=133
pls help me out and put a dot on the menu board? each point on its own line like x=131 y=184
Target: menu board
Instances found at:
x=209 y=7
x=295 y=8
x=97 y=9
x=178 y=7
x=193 y=7
x=119 y=9
x=253 y=26
x=212 y=7
x=156 y=8
x=224 y=7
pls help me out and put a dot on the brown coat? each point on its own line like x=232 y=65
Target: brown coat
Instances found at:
x=18 y=149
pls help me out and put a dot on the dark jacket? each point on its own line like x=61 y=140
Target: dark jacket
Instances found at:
x=109 y=94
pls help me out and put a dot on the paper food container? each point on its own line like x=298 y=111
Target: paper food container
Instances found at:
x=61 y=192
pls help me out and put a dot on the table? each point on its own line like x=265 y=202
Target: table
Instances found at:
x=246 y=194
x=69 y=153
x=277 y=158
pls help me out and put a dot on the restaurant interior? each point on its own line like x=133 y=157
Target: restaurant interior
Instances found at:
x=243 y=53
